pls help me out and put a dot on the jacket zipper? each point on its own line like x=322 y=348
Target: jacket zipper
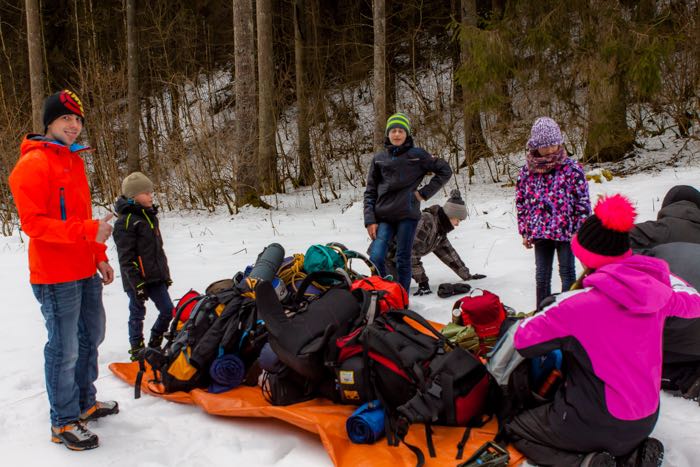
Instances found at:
x=62 y=202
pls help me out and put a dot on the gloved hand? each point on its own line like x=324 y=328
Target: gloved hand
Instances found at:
x=473 y=277
x=423 y=289
x=141 y=293
x=168 y=283
x=447 y=290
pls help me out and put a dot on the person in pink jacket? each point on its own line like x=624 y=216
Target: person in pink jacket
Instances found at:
x=610 y=333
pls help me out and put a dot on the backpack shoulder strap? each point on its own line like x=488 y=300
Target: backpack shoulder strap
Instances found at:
x=315 y=277
x=420 y=320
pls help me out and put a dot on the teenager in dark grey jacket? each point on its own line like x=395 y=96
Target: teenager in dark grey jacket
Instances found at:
x=431 y=237
x=678 y=220
x=392 y=197
x=142 y=260
x=681 y=351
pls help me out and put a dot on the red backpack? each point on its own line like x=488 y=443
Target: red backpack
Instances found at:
x=391 y=295
x=484 y=311
x=185 y=305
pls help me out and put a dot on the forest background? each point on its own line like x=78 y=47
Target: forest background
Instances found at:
x=223 y=103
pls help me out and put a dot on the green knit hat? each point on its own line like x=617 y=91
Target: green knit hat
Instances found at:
x=398 y=120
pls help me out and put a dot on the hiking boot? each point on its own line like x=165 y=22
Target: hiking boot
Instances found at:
x=650 y=453
x=75 y=436
x=155 y=341
x=99 y=410
x=136 y=350
x=598 y=459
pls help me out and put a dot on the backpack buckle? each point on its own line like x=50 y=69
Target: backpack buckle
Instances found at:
x=435 y=391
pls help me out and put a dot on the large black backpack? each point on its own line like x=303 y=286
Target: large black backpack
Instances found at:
x=419 y=377
x=172 y=367
x=223 y=321
x=300 y=336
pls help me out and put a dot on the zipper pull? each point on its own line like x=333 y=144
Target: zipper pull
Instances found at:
x=62 y=202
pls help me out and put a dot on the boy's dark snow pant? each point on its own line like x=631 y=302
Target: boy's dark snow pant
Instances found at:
x=551 y=439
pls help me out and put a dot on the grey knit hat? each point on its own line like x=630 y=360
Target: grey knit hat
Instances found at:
x=455 y=207
x=136 y=183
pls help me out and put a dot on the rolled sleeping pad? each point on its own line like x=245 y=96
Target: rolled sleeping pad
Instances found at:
x=268 y=262
x=366 y=424
x=227 y=372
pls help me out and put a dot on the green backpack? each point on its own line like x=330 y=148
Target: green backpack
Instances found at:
x=322 y=258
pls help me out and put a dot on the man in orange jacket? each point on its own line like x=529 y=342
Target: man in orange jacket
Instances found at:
x=66 y=249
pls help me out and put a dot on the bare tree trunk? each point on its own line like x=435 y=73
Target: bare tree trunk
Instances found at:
x=475 y=146
x=379 y=14
x=36 y=67
x=306 y=169
x=267 y=148
x=247 y=181
x=608 y=138
x=133 y=159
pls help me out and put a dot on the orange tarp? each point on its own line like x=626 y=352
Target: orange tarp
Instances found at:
x=328 y=421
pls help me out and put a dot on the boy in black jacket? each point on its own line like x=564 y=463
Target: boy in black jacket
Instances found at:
x=142 y=261
x=392 y=197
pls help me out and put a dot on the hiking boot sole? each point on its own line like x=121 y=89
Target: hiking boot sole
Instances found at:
x=57 y=440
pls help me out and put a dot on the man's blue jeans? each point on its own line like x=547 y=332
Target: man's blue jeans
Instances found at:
x=544 y=256
x=137 y=311
x=405 y=232
x=75 y=321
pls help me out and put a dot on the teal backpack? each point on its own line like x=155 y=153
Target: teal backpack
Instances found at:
x=322 y=258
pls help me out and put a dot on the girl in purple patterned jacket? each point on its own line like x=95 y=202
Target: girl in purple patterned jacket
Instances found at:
x=552 y=201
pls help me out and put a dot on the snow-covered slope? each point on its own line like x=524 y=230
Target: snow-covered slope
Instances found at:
x=203 y=248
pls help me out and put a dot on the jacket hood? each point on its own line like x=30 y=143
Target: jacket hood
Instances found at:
x=686 y=210
x=639 y=284
x=125 y=206
x=34 y=141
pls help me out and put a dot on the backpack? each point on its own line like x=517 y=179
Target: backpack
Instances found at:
x=223 y=321
x=172 y=367
x=403 y=361
x=184 y=307
x=300 y=336
x=462 y=336
x=484 y=311
x=392 y=296
x=322 y=258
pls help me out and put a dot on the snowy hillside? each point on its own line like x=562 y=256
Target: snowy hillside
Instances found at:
x=151 y=432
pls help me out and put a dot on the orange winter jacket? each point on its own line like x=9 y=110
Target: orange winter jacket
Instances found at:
x=52 y=196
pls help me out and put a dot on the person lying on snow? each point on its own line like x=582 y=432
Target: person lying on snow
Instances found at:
x=678 y=220
x=142 y=260
x=610 y=333
x=431 y=237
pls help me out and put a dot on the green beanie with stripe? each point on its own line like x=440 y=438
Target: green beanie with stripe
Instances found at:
x=398 y=120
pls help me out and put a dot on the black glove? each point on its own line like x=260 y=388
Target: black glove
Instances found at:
x=448 y=290
x=473 y=277
x=168 y=283
x=423 y=289
x=141 y=293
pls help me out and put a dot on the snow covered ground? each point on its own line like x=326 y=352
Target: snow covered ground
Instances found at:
x=202 y=248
